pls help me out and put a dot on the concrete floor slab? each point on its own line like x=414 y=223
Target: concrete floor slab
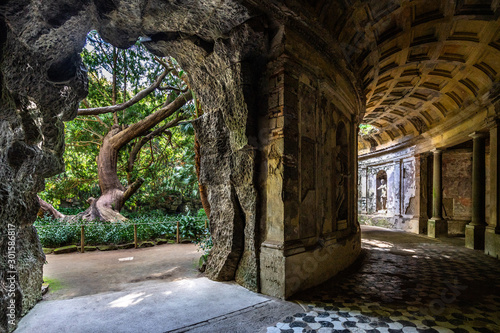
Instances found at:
x=155 y=289
x=151 y=307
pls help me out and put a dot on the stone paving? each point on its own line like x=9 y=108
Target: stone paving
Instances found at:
x=405 y=283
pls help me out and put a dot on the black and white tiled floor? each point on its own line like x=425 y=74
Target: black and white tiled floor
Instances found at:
x=405 y=283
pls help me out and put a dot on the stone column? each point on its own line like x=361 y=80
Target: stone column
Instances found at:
x=474 y=231
x=436 y=226
x=492 y=236
x=367 y=210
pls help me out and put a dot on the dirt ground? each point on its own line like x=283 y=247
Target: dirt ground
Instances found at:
x=79 y=274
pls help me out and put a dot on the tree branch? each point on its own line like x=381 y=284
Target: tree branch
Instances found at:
x=113 y=108
x=147 y=138
x=45 y=207
x=174 y=89
x=131 y=189
x=92 y=132
x=135 y=130
x=101 y=122
x=98 y=120
x=83 y=143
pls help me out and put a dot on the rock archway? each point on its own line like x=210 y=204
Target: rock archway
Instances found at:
x=275 y=89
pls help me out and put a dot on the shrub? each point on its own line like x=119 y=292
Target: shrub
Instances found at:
x=56 y=233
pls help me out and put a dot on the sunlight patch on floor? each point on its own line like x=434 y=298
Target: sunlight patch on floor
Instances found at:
x=128 y=300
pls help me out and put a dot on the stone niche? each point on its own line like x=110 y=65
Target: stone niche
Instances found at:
x=309 y=229
x=398 y=169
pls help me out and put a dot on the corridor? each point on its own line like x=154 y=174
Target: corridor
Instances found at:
x=405 y=283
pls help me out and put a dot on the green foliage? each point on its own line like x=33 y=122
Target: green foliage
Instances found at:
x=57 y=233
x=166 y=162
x=206 y=243
x=201 y=214
x=71 y=210
x=190 y=226
x=367 y=129
x=53 y=233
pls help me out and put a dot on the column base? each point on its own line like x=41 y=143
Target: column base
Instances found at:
x=437 y=228
x=283 y=274
x=492 y=242
x=474 y=236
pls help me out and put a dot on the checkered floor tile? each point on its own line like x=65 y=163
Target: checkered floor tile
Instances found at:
x=414 y=285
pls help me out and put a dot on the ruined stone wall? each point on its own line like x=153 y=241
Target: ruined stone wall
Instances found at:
x=402 y=203
x=457 y=189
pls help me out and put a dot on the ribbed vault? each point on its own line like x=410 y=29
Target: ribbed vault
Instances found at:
x=421 y=63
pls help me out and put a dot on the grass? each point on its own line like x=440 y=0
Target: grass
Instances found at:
x=54 y=284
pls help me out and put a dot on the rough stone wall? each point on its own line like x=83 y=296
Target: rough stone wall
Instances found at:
x=260 y=149
x=457 y=188
x=41 y=82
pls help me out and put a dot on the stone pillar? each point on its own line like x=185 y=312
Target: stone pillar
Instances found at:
x=492 y=236
x=436 y=226
x=310 y=139
x=420 y=217
x=397 y=187
x=367 y=196
x=474 y=231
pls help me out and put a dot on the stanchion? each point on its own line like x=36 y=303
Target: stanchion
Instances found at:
x=82 y=239
x=177 y=232
x=135 y=236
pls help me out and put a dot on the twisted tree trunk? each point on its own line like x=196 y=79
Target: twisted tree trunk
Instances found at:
x=113 y=193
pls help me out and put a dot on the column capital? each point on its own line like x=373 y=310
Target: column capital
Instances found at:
x=492 y=122
x=437 y=151
x=478 y=135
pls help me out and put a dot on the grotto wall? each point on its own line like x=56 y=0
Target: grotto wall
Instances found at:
x=42 y=82
x=457 y=189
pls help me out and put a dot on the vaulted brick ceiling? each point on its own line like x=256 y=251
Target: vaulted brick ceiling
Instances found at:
x=421 y=63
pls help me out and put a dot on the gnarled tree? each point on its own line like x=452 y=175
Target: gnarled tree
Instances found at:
x=129 y=125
